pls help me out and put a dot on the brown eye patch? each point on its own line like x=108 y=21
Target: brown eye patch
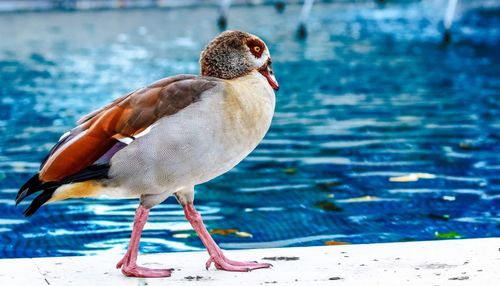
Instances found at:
x=256 y=47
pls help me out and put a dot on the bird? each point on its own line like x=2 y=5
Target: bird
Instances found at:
x=166 y=138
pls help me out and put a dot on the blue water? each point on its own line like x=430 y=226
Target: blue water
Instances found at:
x=368 y=98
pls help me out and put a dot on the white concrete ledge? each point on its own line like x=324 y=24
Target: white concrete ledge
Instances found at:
x=450 y=262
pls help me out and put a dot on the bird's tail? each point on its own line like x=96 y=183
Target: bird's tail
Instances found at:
x=81 y=184
x=34 y=185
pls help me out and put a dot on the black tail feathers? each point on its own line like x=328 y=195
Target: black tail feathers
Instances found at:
x=28 y=188
x=34 y=185
x=39 y=201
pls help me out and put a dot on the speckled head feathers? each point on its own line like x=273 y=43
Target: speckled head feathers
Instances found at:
x=233 y=54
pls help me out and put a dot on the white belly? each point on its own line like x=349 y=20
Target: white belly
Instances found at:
x=199 y=143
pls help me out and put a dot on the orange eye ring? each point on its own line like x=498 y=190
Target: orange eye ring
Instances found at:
x=256 y=49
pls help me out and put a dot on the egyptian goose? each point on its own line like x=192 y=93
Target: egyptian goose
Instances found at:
x=166 y=138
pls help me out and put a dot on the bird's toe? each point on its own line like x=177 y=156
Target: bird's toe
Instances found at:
x=139 y=271
x=222 y=263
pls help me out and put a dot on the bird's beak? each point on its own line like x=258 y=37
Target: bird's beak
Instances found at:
x=267 y=71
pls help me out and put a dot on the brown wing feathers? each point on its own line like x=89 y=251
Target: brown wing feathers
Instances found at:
x=99 y=131
x=126 y=117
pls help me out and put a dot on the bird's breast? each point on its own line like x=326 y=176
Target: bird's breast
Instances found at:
x=248 y=108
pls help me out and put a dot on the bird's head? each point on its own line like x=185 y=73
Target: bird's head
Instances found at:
x=233 y=54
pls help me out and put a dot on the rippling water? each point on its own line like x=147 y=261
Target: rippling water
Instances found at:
x=380 y=133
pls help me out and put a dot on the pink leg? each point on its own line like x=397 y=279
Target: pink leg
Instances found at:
x=216 y=255
x=128 y=263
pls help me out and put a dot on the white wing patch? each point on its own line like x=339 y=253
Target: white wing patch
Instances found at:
x=128 y=140
x=64 y=136
x=144 y=132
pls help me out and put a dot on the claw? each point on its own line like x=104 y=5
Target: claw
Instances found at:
x=120 y=263
x=208 y=263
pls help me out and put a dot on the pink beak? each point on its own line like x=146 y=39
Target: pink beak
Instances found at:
x=267 y=72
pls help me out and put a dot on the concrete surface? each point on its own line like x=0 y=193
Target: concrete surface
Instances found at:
x=450 y=262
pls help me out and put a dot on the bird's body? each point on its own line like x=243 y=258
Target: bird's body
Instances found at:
x=166 y=138
x=195 y=145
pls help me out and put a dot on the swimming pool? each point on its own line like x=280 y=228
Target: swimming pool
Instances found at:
x=380 y=133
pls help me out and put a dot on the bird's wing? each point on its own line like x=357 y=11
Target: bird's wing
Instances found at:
x=98 y=133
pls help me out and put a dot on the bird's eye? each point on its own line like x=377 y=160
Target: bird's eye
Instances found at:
x=256 y=49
